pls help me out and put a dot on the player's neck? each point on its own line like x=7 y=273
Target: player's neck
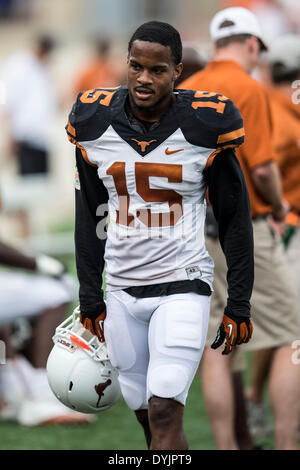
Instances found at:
x=154 y=113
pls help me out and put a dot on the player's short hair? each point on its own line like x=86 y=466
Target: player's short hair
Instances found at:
x=162 y=33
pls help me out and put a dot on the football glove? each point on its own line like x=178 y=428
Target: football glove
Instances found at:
x=234 y=330
x=94 y=322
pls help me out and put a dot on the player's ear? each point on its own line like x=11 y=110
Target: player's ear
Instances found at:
x=177 y=71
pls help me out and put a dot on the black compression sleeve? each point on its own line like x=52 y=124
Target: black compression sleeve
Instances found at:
x=89 y=248
x=229 y=198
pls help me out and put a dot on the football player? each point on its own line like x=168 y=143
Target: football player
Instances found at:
x=146 y=155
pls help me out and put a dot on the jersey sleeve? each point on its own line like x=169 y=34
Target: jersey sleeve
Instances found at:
x=90 y=236
x=229 y=198
x=215 y=122
x=221 y=117
x=89 y=117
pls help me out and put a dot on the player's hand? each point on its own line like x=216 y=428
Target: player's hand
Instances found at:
x=94 y=323
x=49 y=266
x=234 y=330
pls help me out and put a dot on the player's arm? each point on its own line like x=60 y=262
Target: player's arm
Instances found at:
x=87 y=121
x=229 y=198
x=90 y=246
x=10 y=256
x=41 y=264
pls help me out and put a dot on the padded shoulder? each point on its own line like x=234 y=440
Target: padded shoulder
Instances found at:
x=90 y=114
x=210 y=119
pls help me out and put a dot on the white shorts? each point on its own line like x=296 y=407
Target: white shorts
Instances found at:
x=25 y=295
x=156 y=343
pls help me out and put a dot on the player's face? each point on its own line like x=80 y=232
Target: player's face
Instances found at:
x=151 y=74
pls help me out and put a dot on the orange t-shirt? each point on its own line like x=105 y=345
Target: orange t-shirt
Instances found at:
x=286 y=142
x=229 y=78
x=98 y=74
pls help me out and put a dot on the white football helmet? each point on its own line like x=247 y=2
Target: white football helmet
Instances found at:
x=78 y=369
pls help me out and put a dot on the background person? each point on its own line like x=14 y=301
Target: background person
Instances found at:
x=33 y=300
x=193 y=60
x=100 y=71
x=283 y=62
x=238 y=41
x=30 y=109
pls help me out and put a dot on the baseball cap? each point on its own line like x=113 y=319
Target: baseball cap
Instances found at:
x=285 y=52
x=240 y=21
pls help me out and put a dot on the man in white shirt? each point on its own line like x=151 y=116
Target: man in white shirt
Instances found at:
x=30 y=105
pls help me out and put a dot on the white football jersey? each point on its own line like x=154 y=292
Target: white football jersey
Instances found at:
x=155 y=182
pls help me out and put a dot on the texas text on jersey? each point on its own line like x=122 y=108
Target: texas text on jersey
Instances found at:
x=154 y=177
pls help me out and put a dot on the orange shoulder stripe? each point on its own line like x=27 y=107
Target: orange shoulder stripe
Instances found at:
x=215 y=152
x=71 y=130
x=83 y=151
x=223 y=138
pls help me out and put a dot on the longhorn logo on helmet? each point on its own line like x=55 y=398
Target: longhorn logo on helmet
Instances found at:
x=100 y=390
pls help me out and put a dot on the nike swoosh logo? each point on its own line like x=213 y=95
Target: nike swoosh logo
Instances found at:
x=230 y=329
x=169 y=152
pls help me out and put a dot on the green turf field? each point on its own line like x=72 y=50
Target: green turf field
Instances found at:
x=115 y=429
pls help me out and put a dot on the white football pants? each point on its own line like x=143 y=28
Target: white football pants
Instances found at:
x=156 y=343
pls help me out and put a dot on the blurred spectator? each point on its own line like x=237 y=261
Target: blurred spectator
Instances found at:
x=283 y=60
x=270 y=14
x=193 y=60
x=30 y=106
x=32 y=304
x=100 y=72
x=238 y=42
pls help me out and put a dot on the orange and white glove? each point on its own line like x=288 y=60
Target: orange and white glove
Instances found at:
x=94 y=322
x=233 y=330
